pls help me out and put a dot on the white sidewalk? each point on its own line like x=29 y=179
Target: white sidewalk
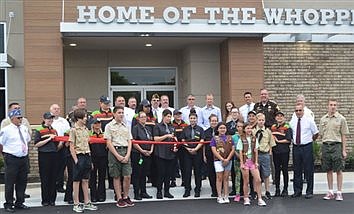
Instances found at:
x=320 y=187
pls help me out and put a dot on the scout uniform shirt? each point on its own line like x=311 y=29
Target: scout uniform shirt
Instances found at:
x=264 y=138
x=118 y=133
x=332 y=128
x=80 y=137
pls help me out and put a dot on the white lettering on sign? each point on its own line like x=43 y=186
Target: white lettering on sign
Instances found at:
x=215 y=15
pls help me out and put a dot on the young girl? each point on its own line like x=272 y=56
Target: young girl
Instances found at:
x=223 y=149
x=247 y=147
x=235 y=138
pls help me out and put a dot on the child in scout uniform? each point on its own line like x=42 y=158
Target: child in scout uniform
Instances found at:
x=247 y=146
x=79 y=137
x=266 y=142
x=223 y=149
x=236 y=137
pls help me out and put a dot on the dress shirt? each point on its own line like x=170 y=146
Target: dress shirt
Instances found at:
x=11 y=140
x=61 y=126
x=307 y=113
x=308 y=129
x=187 y=110
x=244 y=111
x=206 y=112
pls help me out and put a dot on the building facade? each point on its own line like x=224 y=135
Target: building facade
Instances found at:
x=56 y=51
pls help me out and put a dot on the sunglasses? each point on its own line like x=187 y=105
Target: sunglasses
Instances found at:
x=298 y=110
x=19 y=118
x=191 y=98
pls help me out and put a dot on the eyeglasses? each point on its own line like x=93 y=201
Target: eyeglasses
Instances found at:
x=191 y=98
x=298 y=110
x=19 y=118
x=154 y=100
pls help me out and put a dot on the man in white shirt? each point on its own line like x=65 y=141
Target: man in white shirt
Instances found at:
x=246 y=107
x=132 y=103
x=300 y=100
x=209 y=109
x=155 y=105
x=61 y=126
x=186 y=110
x=304 y=133
x=165 y=102
x=128 y=112
x=7 y=121
x=14 y=140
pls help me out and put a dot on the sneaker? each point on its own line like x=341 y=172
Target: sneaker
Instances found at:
x=339 y=196
x=267 y=195
x=261 y=203
x=90 y=206
x=246 y=202
x=128 y=202
x=329 y=196
x=237 y=198
x=78 y=208
x=121 y=203
x=220 y=200
x=226 y=200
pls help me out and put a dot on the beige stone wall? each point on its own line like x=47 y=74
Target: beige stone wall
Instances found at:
x=319 y=71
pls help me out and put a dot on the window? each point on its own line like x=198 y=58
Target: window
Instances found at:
x=2 y=94
x=143 y=76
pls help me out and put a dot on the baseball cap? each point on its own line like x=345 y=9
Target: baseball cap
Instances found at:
x=145 y=102
x=176 y=111
x=105 y=100
x=252 y=112
x=95 y=120
x=48 y=115
x=15 y=113
x=279 y=112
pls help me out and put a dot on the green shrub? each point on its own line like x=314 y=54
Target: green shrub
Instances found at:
x=2 y=164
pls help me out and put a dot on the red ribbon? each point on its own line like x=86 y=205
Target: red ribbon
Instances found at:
x=97 y=140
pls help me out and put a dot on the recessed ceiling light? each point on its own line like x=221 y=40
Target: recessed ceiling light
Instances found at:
x=73 y=44
x=148 y=45
x=144 y=34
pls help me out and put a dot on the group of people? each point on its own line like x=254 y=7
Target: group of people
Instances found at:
x=149 y=142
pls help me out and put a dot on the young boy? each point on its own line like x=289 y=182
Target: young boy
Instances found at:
x=80 y=151
x=266 y=142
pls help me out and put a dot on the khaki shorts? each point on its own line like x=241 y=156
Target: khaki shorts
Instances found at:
x=116 y=168
x=332 y=158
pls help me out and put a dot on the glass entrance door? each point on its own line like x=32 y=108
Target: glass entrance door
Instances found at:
x=142 y=83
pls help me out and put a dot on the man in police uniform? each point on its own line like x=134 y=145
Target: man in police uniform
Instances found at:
x=268 y=107
x=14 y=140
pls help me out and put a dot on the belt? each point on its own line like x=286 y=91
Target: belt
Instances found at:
x=331 y=143
x=260 y=152
x=302 y=145
x=83 y=154
x=13 y=156
x=120 y=147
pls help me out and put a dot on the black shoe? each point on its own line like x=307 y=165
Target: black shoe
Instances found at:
x=145 y=195
x=232 y=193
x=159 y=195
x=277 y=193
x=296 y=195
x=168 y=195
x=309 y=196
x=71 y=201
x=21 y=207
x=51 y=203
x=186 y=194
x=137 y=197
x=267 y=195
x=61 y=190
x=44 y=204
x=253 y=196
x=214 y=194
x=27 y=196
x=173 y=184
x=94 y=200
x=197 y=194
x=284 y=193
x=101 y=199
x=10 y=209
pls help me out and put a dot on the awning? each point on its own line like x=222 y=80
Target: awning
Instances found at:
x=6 y=61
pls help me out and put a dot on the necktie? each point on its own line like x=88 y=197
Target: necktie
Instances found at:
x=192 y=134
x=298 y=132
x=167 y=129
x=24 y=144
x=248 y=108
x=155 y=113
x=259 y=135
x=148 y=135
